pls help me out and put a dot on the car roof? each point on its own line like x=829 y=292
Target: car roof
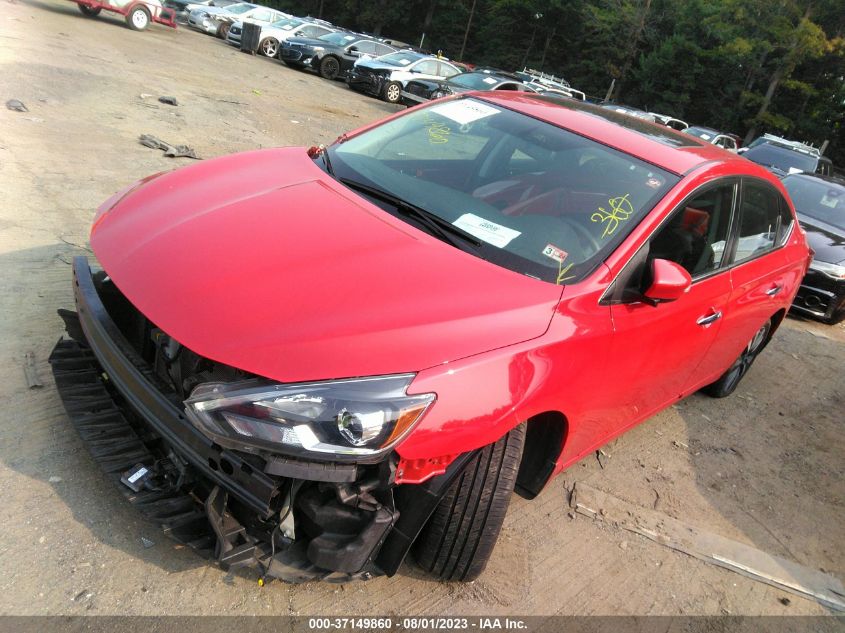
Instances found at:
x=674 y=151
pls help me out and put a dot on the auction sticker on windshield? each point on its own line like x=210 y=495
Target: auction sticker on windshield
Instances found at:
x=464 y=111
x=485 y=230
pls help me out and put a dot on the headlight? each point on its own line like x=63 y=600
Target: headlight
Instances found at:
x=837 y=271
x=318 y=48
x=441 y=92
x=353 y=420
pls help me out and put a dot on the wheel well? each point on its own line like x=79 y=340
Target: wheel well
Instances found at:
x=544 y=438
x=777 y=319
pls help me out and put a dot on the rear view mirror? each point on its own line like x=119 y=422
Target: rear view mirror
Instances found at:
x=670 y=281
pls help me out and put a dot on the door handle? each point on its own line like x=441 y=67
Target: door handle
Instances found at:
x=773 y=291
x=710 y=318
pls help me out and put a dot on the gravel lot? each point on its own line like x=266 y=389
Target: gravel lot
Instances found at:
x=764 y=467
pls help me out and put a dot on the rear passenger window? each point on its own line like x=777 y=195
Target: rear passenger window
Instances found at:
x=764 y=221
x=695 y=235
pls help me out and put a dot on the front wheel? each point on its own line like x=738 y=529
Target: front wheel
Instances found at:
x=223 y=30
x=138 y=18
x=89 y=10
x=329 y=67
x=729 y=381
x=459 y=537
x=393 y=92
x=269 y=47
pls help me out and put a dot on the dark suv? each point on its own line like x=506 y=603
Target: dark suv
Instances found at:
x=782 y=159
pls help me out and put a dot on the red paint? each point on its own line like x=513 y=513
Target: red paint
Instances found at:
x=261 y=261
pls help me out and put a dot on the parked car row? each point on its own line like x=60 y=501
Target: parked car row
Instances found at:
x=373 y=66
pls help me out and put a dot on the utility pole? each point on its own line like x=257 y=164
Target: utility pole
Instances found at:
x=610 y=90
x=466 y=33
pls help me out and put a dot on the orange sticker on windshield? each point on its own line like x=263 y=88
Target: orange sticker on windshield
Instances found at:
x=555 y=253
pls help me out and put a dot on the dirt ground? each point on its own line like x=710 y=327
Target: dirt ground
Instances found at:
x=764 y=467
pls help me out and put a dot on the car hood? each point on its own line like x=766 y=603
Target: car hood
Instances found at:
x=311 y=41
x=827 y=241
x=263 y=262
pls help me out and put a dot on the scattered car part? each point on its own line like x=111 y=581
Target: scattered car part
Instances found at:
x=16 y=105
x=171 y=151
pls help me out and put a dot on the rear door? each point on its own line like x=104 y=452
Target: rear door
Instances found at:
x=762 y=272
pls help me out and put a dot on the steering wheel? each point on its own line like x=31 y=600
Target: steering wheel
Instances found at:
x=584 y=235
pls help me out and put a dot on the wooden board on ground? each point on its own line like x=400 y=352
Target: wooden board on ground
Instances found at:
x=710 y=547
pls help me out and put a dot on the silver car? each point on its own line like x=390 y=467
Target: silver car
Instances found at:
x=217 y=21
x=279 y=31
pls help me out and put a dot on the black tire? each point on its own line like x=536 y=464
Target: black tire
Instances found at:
x=729 y=381
x=329 y=67
x=138 y=18
x=88 y=10
x=223 y=30
x=269 y=47
x=459 y=537
x=392 y=92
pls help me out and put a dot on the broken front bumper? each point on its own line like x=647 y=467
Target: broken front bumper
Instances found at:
x=349 y=521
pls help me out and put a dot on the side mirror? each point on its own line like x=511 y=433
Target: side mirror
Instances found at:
x=670 y=281
x=352 y=49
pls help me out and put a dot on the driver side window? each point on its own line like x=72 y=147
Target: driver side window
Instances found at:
x=695 y=234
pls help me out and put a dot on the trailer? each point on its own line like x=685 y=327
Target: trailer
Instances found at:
x=137 y=13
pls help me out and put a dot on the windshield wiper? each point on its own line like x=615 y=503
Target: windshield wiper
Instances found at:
x=436 y=225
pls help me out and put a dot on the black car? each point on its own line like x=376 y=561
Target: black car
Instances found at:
x=782 y=159
x=331 y=55
x=421 y=90
x=820 y=203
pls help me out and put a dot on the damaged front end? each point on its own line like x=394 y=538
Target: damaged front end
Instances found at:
x=190 y=443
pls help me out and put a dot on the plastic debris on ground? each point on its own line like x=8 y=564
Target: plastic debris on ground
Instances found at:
x=171 y=151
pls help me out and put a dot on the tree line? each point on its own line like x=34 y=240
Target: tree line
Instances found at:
x=741 y=66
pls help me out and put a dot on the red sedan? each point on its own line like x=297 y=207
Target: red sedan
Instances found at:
x=315 y=361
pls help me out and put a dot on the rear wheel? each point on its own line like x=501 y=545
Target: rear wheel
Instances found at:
x=392 y=92
x=459 y=537
x=329 y=67
x=89 y=10
x=269 y=47
x=729 y=381
x=138 y=18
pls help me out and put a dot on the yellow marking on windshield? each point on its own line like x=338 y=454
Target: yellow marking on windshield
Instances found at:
x=620 y=210
x=438 y=133
x=561 y=273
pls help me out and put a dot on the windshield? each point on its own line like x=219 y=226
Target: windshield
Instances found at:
x=337 y=38
x=239 y=8
x=287 y=23
x=475 y=81
x=702 y=133
x=780 y=158
x=817 y=199
x=541 y=201
x=399 y=59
